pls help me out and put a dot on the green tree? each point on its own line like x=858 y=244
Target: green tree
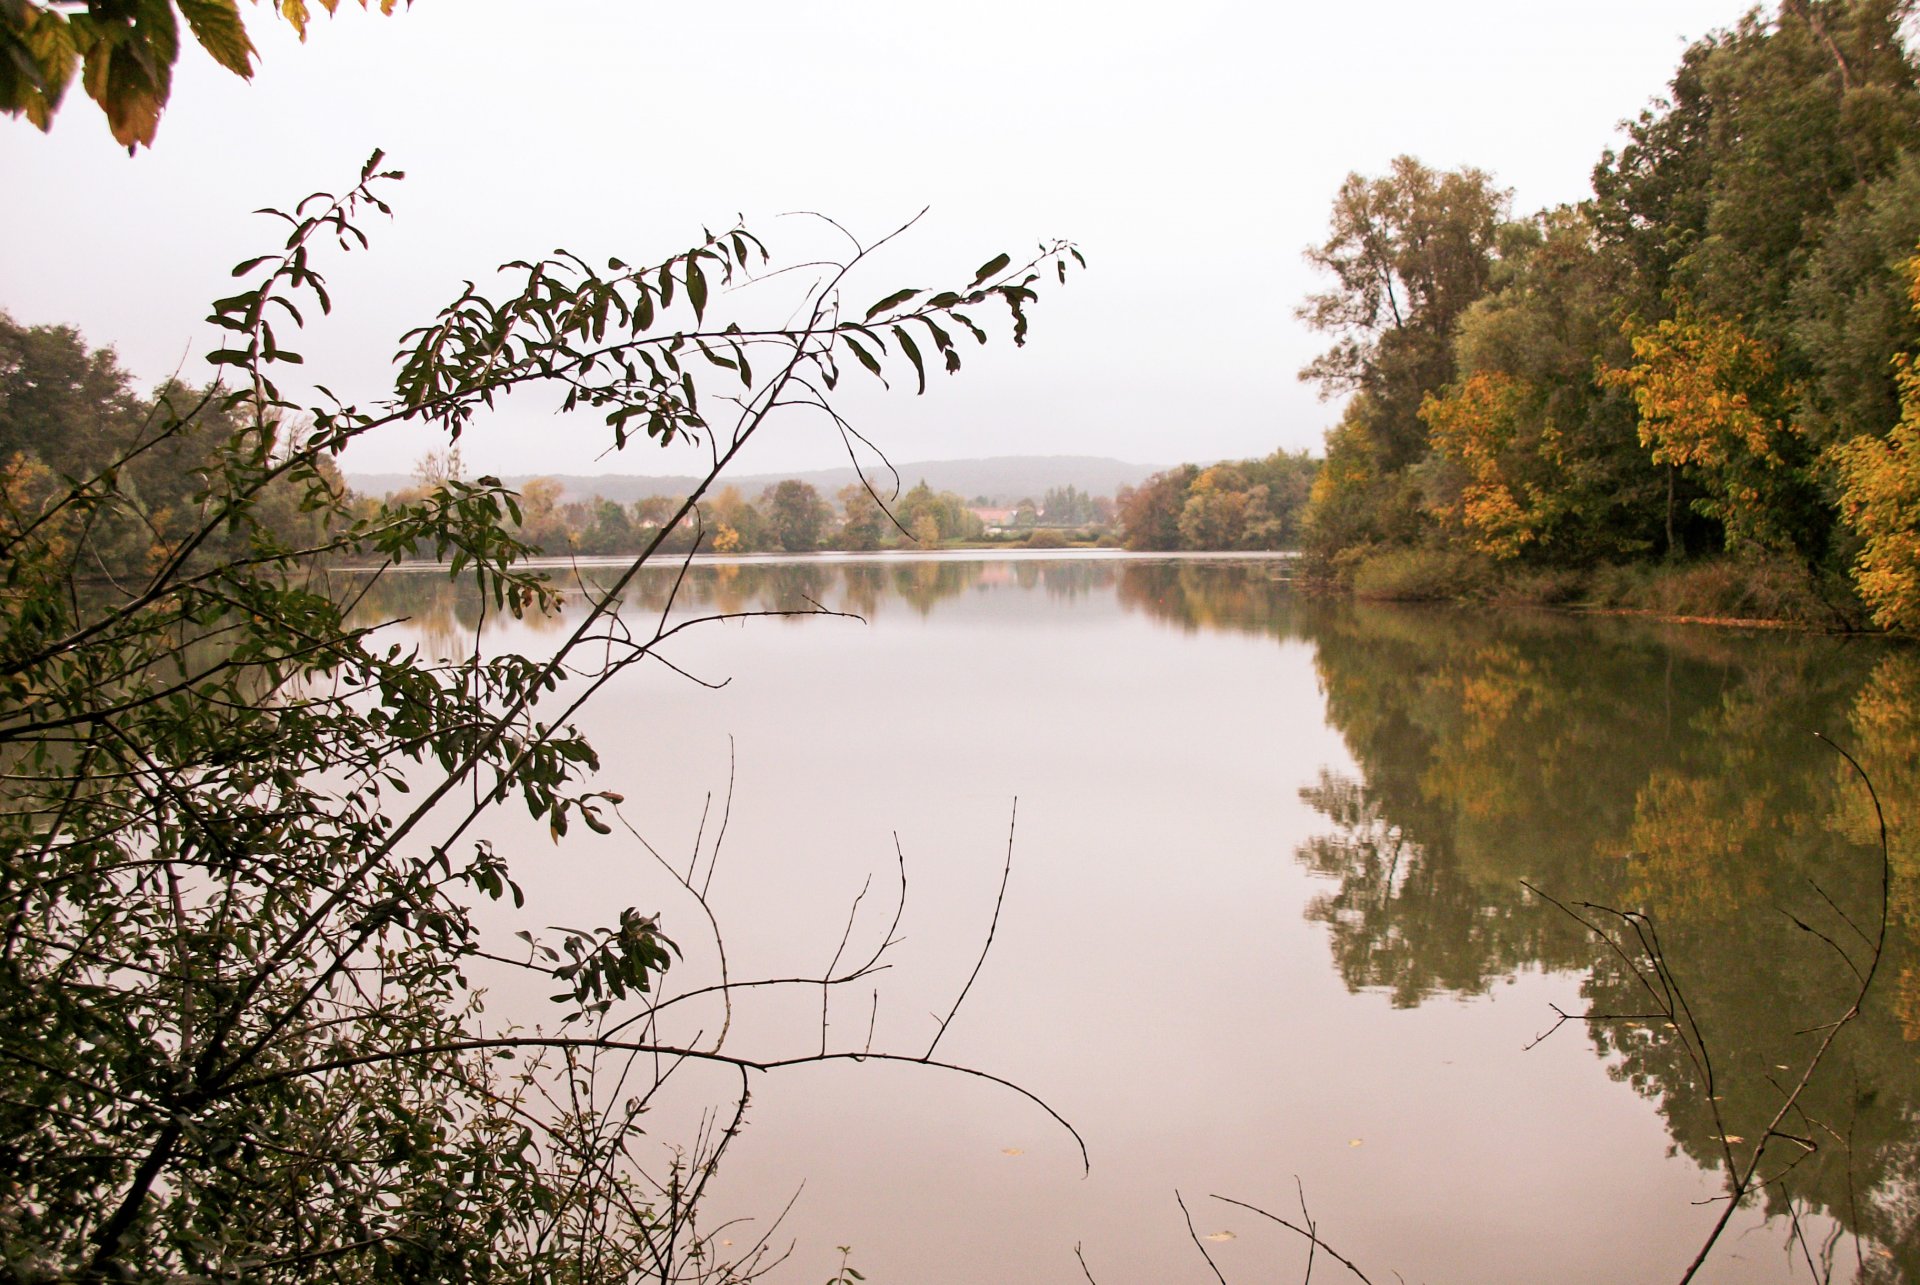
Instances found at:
x=1548 y=458
x=1221 y=506
x=946 y=512
x=1848 y=309
x=1067 y=506
x=1409 y=252
x=796 y=516
x=864 y=523
x=58 y=401
x=238 y=1037
x=611 y=532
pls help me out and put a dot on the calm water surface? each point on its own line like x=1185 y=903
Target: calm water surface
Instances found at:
x=1265 y=920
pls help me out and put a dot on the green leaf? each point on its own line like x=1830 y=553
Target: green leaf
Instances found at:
x=866 y=358
x=696 y=288
x=944 y=343
x=893 y=300
x=913 y=355
x=997 y=264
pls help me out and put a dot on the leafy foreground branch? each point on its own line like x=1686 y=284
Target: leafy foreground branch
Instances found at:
x=243 y=856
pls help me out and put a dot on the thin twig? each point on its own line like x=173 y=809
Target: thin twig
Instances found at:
x=1311 y=1235
x=992 y=927
x=1195 y=1237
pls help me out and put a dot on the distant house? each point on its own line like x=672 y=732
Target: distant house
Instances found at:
x=994 y=519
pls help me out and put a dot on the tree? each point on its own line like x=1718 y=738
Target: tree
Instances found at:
x=1712 y=405
x=1476 y=424
x=124 y=52
x=57 y=399
x=944 y=512
x=1149 y=514
x=865 y=521
x=1409 y=252
x=1219 y=509
x=1880 y=501
x=1547 y=455
x=739 y=524
x=1067 y=506
x=540 y=524
x=238 y=1037
x=796 y=516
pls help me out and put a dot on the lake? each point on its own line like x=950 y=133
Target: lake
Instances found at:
x=1265 y=932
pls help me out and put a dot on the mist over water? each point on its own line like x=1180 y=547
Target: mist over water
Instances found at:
x=1265 y=916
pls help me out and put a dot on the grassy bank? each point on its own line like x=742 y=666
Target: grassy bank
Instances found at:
x=1728 y=590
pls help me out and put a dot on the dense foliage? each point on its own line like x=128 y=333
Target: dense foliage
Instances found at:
x=1702 y=359
x=240 y=1035
x=1244 y=504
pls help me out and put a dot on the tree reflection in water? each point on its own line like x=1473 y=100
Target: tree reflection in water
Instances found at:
x=1665 y=770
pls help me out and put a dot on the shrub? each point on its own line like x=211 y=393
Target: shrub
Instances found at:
x=1419 y=575
x=1539 y=586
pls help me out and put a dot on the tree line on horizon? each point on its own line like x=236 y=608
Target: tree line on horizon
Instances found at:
x=791 y=516
x=65 y=408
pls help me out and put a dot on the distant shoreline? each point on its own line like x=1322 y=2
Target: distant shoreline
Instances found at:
x=973 y=554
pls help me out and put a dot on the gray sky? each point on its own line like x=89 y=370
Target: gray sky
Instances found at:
x=1192 y=151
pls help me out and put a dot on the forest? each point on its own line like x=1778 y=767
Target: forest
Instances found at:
x=1702 y=371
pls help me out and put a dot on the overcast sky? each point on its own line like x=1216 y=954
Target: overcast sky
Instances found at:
x=1191 y=150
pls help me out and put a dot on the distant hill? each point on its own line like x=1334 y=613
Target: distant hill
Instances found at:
x=1002 y=480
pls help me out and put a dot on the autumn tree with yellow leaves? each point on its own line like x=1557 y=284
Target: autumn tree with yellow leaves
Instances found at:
x=1880 y=500
x=1712 y=405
